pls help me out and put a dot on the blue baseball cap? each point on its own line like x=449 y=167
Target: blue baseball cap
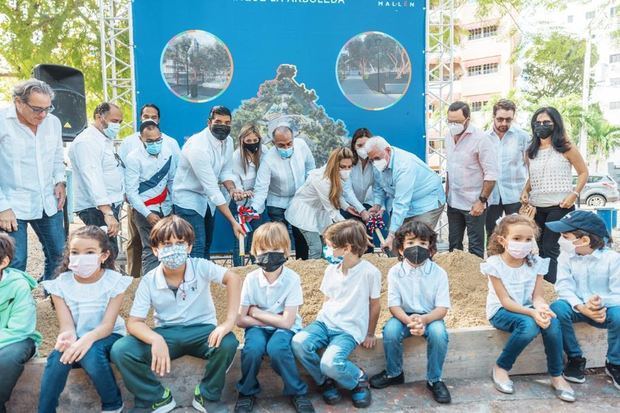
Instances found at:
x=580 y=220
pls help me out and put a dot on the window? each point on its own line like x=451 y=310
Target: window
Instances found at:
x=614 y=105
x=590 y=15
x=484 y=69
x=482 y=32
x=613 y=12
x=479 y=105
x=594 y=178
x=569 y=19
x=614 y=58
x=614 y=82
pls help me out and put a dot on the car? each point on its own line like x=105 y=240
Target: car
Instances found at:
x=599 y=190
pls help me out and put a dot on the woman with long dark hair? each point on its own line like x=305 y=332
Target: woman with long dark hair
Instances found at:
x=551 y=158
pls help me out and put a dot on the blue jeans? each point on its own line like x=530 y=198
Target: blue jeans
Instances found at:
x=436 y=335
x=335 y=362
x=51 y=234
x=203 y=230
x=12 y=360
x=276 y=343
x=567 y=316
x=96 y=364
x=524 y=330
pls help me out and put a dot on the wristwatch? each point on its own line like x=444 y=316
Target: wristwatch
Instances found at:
x=483 y=199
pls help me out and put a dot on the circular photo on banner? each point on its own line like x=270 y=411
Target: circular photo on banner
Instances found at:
x=373 y=70
x=196 y=66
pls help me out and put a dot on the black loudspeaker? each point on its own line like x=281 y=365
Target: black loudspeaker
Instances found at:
x=70 y=99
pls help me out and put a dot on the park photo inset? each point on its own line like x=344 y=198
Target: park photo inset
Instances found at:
x=373 y=70
x=196 y=66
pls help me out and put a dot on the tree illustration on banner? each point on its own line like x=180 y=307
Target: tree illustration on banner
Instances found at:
x=284 y=101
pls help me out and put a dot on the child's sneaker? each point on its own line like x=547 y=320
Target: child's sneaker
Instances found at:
x=613 y=371
x=199 y=403
x=244 y=404
x=360 y=395
x=165 y=404
x=440 y=391
x=575 y=370
x=302 y=404
x=330 y=392
x=382 y=380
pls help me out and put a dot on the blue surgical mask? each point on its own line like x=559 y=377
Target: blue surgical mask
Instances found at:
x=328 y=253
x=285 y=153
x=173 y=256
x=112 y=130
x=153 y=148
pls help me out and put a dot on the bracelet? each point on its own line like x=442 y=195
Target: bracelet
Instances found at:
x=576 y=194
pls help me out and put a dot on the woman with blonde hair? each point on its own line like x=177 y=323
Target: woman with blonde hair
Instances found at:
x=317 y=203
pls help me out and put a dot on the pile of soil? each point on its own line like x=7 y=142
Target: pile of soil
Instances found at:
x=468 y=291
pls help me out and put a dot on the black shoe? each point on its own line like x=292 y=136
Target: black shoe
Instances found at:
x=302 y=404
x=330 y=392
x=613 y=371
x=245 y=404
x=381 y=380
x=575 y=370
x=440 y=391
x=360 y=395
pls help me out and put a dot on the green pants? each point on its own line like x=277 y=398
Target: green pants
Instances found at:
x=132 y=357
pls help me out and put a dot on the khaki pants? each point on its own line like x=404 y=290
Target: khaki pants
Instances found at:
x=134 y=245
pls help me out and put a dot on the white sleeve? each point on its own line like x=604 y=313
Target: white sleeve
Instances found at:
x=375 y=288
x=394 y=297
x=121 y=285
x=245 y=293
x=142 y=300
x=209 y=270
x=200 y=164
x=59 y=158
x=132 y=184
x=87 y=161
x=322 y=190
x=488 y=269
x=442 y=297
x=261 y=186
x=53 y=287
x=296 y=296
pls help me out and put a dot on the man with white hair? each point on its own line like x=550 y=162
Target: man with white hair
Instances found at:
x=414 y=188
x=32 y=174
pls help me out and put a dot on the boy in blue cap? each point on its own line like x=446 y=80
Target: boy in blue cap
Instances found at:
x=588 y=288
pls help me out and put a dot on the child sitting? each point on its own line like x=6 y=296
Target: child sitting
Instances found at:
x=419 y=299
x=352 y=287
x=186 y=324
x=87 y=296
x=270 y=300
x=588 y=288
x=515 y=302
x=18 y=319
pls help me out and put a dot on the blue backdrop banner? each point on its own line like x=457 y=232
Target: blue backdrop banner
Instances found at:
x=326 y=67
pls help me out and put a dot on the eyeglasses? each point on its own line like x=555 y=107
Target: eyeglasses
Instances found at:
x=543 y=123
x=39 y=110
x=504 y=120
x=160 y=140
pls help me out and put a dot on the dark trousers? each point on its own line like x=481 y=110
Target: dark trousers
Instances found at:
x=495 y=212
x=301 y=246
x=548 y=240
x=348 y=215
x=12 y=360
x=92 y=216
x=203 y=229
x=149 y=260
x=458 y=221
x=134 y=245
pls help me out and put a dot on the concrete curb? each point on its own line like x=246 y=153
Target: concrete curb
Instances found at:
x=471 y=355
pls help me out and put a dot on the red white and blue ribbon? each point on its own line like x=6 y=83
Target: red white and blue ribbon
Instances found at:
x=375 y=222
x=247 y=215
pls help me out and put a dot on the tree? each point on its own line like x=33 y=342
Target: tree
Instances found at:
x=555 y=66
x=603 y=137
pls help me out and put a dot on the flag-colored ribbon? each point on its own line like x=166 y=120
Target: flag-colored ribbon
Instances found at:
x=375 y=222
x=246 y=215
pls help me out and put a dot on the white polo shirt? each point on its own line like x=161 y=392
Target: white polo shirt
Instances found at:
x=285 y=291
x=418 y=290
x=348 y=298
x=192 y=303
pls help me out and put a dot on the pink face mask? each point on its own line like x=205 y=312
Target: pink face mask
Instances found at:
x=84 y=265
x=519 y=249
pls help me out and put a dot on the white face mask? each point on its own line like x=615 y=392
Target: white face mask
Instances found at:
x=112 y=130
x=567 y=246
x=345 y=174
x=519 y=250
x=361 y=152
x=380 y=165
x=84 y=265
x=455 y=128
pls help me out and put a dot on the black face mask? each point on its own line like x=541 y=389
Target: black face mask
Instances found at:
x=221 y=132
x=252 y=147
x=417 y=254
x=543 y=131
x=270 y=261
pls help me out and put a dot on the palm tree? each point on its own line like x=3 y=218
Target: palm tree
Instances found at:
x=603 y=137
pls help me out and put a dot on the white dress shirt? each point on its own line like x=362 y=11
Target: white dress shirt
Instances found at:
x=97 y=173
x=418 y=289
x=582 y=276
x=205 y=162
x=512 y=168
x=132 y=142
x=148 y=176
x=311 y=208
x=361 y=181
x=30 y=165
x=245 y=175
x=278 y=179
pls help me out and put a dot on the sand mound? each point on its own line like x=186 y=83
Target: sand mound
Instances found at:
x=468 y=291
